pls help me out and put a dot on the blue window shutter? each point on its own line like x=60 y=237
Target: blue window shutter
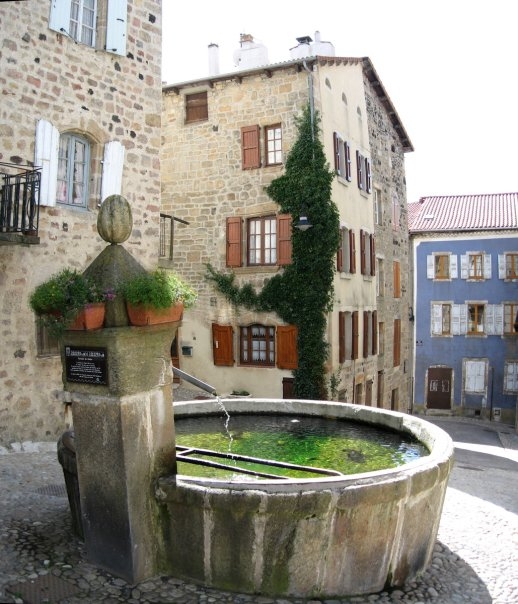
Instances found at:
x=116 y=27
x=46 y=157
x=60 y=15
x=112 y=169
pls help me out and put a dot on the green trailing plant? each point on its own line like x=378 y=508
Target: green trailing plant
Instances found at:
x=58 y=300
x=158 y=289
x=302 y=294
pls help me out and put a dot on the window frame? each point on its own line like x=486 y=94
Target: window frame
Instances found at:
x=196 y=107
x=477 y=310
x=510 y=310
x=69 y=183
x=441 y=315
x=467 y=375
x=263 y=249
x=276 y=141
x=248 y=338
x=510 y=385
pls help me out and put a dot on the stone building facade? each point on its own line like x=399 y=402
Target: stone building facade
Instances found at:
x=225 y=138
x=81 y=101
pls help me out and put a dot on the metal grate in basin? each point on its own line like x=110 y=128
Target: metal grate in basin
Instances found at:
x=54 y=490
x=42 y=590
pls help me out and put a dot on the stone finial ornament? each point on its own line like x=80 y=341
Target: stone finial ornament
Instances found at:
x=115 y=220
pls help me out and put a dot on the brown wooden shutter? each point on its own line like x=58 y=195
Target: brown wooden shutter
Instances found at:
x=373 y=255
x=375 y=332
x=222 y=345
x=396 y=279
x=196 y=107
x=341 y=337
x=397 y=342
x=355 y=334
x=352 y=252
x=234 y=254
x=365 y=334
x=287 y=355
x=362 y=251
x=250 y=151
x=283 y=239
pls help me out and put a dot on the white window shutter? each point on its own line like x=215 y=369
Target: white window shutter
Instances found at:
x=459 y=319
x=430 y=266
x=436 y=319
x=464 y=266
x=499 y=320
x=46 y=151
x=116 y=26
x=113 y=163
x=60 y=15
x=489 y=319
x=454 y=269
x=501 y=266
x=487 y=266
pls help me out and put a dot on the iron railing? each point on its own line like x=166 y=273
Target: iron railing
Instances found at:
x=19 y=199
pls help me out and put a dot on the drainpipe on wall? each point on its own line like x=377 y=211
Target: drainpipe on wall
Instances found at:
x=311 y=99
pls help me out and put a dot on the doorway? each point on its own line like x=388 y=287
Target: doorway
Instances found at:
x=438 y=388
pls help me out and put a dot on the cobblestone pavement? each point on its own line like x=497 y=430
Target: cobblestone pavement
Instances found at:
x=475 y=558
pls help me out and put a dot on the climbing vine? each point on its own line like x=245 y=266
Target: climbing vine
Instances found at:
x=302 y=294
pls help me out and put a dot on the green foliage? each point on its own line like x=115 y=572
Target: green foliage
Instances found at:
x=158 y=289
x=59 y=299
x=303 y=293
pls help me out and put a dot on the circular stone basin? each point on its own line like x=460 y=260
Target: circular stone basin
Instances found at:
x=308 y=537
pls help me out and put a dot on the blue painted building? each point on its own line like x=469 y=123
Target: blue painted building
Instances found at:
x=465 y=293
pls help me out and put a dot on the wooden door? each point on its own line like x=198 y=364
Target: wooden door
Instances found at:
x=439 y=388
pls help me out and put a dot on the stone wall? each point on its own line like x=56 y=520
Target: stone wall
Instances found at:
x=104 y=97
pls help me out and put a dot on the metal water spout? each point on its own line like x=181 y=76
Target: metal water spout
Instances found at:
x=194 y=381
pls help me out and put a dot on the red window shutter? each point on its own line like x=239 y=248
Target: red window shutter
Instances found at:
x=283 y=239
x=355 y=335
x=396 y=279
x=336 y=148
x=375 y=332
x=397 y=342
x=287 y=355
x=250 y=151
x=373 y=255
x=341 y=337
x=368 y=176
x=348 y=170
x=365 y=334
x=222 y=345
x=352 y=252
x=362 y=252
x=234 y=254
x=359 y=170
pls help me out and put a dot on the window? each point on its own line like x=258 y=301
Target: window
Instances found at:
x=475 y=319
x=508 y=266
x=381 y=338
x=475 y=266
x=511 y=377
x=250 y=146
x=257 y=345
x=397 y=343
x=475 y=372
x=346 y=257
x=73 y=170
x=46 y=343
x=511 y=318
x=367 y=253
x=268 y=241
x=370 y=336
x=348 y=336
x=77 y=19
x=196 y=107
x=363 y=172
x=396 y=270
x=378 y=207
x=441 y=266
x=441 y=319
x=342 y=155
x=273 y=144
x=380 y=281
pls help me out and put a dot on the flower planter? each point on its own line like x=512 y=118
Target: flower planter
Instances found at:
x=144 y=315
x=91 y=317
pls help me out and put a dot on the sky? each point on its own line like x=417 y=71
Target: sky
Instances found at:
x=450 y=68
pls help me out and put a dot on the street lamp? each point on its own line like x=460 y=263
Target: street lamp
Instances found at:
x=303 y=223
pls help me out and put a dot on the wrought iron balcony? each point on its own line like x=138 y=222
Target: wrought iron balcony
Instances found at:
x=19 y=204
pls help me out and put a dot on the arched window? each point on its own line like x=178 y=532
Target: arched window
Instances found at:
x=73 y=170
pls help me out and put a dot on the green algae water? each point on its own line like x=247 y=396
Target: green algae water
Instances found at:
x=333 y=444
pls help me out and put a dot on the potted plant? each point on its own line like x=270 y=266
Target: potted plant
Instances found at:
x=158 y=296
x=68 y=300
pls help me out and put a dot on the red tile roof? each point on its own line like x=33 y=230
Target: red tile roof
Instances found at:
x=464 y=213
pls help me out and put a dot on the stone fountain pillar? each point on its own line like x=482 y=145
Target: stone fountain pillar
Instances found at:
x=119 y=382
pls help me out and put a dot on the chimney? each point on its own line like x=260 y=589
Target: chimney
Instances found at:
x=250 y=54
x=303 y=48
x=213 y=59
x=323 y=49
